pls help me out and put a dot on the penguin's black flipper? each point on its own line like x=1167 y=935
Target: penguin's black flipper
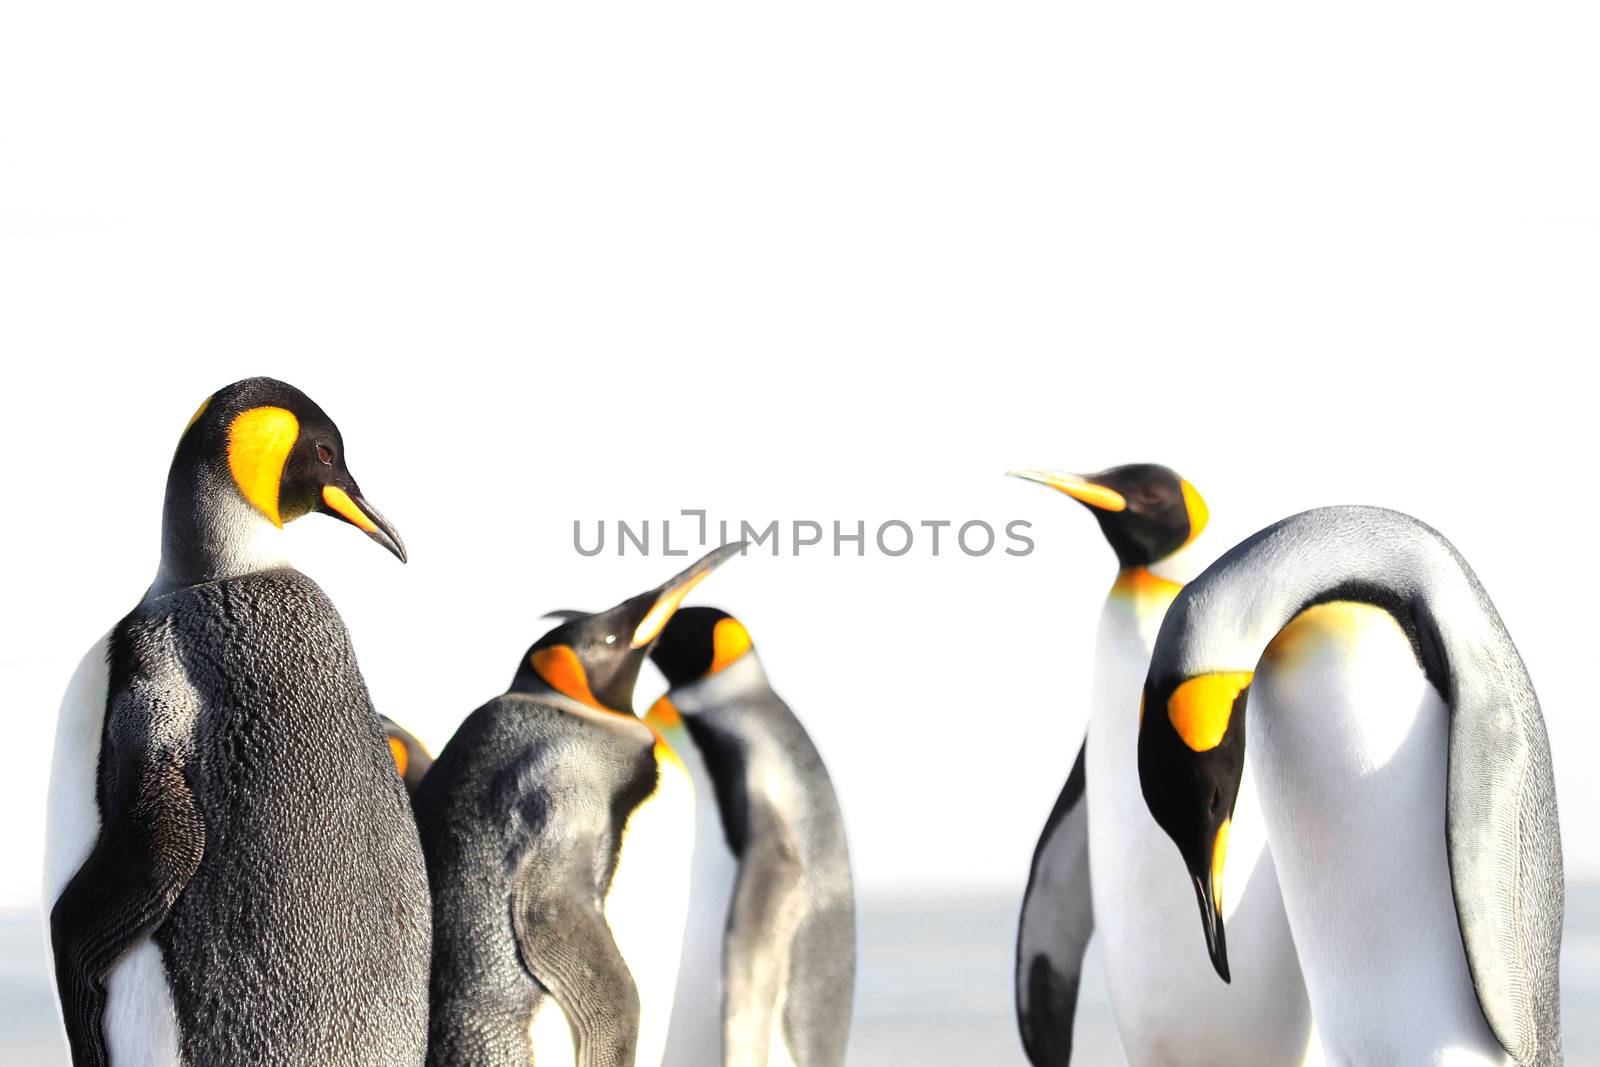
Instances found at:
x=768 y=904
x=1057 y=919
x=148 y=849
x=566 y=944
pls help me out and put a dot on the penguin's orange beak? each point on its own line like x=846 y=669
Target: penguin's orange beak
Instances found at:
x=350 y=507
x=670 y=595
x=1078 y=488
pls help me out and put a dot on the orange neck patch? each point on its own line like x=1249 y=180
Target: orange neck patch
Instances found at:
x=663 y=715
x=1136 y=583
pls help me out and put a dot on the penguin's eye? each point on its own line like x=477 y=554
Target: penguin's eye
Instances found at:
x=325 y=454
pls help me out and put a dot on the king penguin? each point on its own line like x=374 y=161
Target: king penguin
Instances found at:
x=232 y=873
x=1404 y=774
x=1099 y=863
x=772 y=919
x=558 y=830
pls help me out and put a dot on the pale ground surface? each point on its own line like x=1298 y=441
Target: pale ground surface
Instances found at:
x=935 y=988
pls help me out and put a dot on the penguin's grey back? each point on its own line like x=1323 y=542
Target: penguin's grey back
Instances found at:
x=303 y=936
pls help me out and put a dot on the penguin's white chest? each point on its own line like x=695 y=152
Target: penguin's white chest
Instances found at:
x=695 y=1039
x=1170 y=1006
x=646 y=908
x=1350 y=742
x=140 y=1023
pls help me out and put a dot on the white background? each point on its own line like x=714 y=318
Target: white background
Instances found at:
x=836 y=261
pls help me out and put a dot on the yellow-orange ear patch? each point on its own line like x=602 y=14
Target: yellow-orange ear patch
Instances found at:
x=1201 y=707
x=1195 y=505
x=563 y=671
x=729 y=641
x=402 y=758
x=259 y=442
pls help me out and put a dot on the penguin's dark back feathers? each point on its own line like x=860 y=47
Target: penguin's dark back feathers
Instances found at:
x=307 y=924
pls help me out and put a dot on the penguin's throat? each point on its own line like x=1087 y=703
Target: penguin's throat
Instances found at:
x=1179 y=568
x=214 y=535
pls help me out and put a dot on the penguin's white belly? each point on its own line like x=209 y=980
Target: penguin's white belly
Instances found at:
x=649 y=899
x=141 y=1022
x=695 y=1039
x=1171 y=1007
x=550 y=1035
x=1351 y=742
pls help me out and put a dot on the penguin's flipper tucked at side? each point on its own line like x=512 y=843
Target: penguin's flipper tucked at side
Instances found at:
x=1505 y=851
x=1057 y=920
x=768 y=904
x=148 y=849
x=565 y=943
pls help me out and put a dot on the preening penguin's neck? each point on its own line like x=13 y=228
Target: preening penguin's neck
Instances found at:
x=210 y=532
x=1225 y=620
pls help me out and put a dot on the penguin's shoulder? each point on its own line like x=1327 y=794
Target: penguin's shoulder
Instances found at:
x=537 y=755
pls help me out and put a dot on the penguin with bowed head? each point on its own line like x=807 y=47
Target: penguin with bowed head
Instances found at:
x=1405 y=777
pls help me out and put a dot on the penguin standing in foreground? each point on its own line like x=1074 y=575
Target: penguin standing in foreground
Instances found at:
x=233 y=874
x=1101 y=862
x=558 y=830
x=411 y=758
x=1404 y=773
x=771 y=868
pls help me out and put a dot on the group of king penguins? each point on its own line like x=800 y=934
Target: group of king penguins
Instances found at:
x=247 y=864
x=1379 y=882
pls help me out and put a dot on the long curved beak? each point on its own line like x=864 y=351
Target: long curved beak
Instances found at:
x=1078 y=488
x=1211 y=919
x=670 y=594
x=353 y=508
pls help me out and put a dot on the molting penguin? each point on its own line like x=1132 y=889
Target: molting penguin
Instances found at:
x=771 y=866
x=233 y=874
x=1099 y=863
x=411 y=758
x=558 y=831
x=1405 y=778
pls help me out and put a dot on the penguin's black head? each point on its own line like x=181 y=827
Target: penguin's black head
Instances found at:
x=698 y=642
x=1145 y=510
x=1191 y=759
x=269 y=444
x=595 y=659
